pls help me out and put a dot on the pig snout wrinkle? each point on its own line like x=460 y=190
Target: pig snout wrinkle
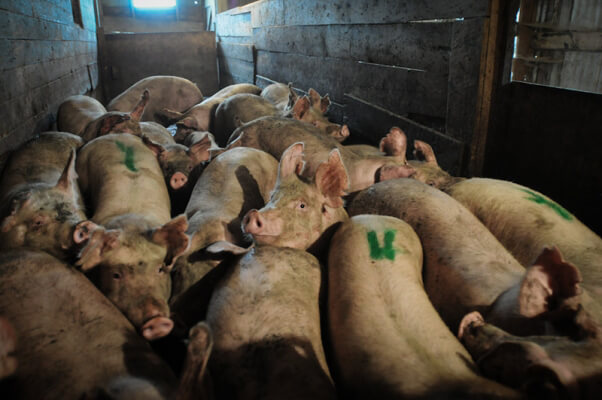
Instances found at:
x=252 y=222
x=178 y=180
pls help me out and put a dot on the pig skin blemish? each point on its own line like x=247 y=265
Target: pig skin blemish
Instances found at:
x=387 y=251
x=129 y=156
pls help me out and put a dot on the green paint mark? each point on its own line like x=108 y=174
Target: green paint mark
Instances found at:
x=387 y=251
x=539 y=199
x=129 y=156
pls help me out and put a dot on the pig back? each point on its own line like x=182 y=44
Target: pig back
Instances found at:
x=76 y=112
x=388 y=340
x=265 y=319
x=465 y=266
x=119 y=175
x=42 y=159
x=166 y=91
x=71 y=339
x=525 y=221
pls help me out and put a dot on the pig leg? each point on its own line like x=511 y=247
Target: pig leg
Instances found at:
x=394 y=144
x=8 y=342
x=193 y=382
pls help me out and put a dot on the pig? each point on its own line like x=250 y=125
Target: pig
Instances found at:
x=8 y=343
x=236 y=111
x=266 y=134
x=233 y=183
x=280 y=95
x=74 y=343
x=462 y=254
x=388 y=341
x=156 y=132
x=131 y=259
x=542 y=366
x=301 y=214
x=41 y=203
x=177 y=163
x=265 y=320
x=200 y=116
x=86 y=117
x=311 y=109
x=525 y=221
x=172 y=92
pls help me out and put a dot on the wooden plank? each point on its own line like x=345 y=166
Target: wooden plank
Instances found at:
x=242 y=71
x=579 y=41
x=399 y=90
x=234 y=24
x=463 y=84
x=582 y=71
x=19 y=80
x=16 y=26
x=369 y=123
x=267 y=13
x=326 y=12
x=191 y=55
x=25 y=52
x=421 y=46
x=238 y=51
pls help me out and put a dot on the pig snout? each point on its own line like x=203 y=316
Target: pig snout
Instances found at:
x=156 y=327
x=178 y=180
x=253 y=223
x=83 y=230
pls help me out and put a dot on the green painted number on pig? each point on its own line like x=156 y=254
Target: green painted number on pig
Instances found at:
x=387 y=251
x=539 y=199
x=129 y=156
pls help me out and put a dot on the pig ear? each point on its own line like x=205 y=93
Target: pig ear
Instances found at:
x=154 y=146
x=65 y=182
x=109 y=122
x=314 y=97
x=188 y=122
x=547 y=282
x=332 y=179
x=172 y=114
x=291 y=161
x=423 y=150
x=137 y=112
x=199 y=151
x=173 y=235
x=324 y=104
x=200 y=344
x=226 y=247
x=11 y=219
x=292 y=96
x=98 y=244
x=301 y=106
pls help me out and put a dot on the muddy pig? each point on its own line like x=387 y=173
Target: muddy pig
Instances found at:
x=465 y=267
x=301 y=213
x=131 y=260
x=266 y=134
x=73 y=342
x=86 y=117
x=41 y=203
x=266 y=326
x=172 y=92
x=542 y=366
x=235 y=182
x=388 y=340
x=200 y=116
x=525 y=221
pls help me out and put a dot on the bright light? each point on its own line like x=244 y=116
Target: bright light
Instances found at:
x=150 y=4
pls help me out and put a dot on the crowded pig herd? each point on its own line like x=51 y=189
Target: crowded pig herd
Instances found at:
x=247 y=253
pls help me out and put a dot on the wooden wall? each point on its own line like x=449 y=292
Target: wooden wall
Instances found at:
x=411 y=64
x=45 y=56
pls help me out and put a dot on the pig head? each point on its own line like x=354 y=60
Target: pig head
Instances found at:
x=311 y=109
x=130 y=262
x=300 y=211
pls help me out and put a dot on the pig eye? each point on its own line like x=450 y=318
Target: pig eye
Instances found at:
x=116 y=276
x=301 y=205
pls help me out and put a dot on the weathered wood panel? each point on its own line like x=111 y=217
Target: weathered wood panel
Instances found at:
x=240 y=51
x=327 y=12
x=231 y=24
x=421 y=46
x=238 y=70
x=131 y=57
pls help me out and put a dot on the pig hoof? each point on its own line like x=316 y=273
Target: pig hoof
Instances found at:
x=394 y=144
x=470 y=320
x=157 y=328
